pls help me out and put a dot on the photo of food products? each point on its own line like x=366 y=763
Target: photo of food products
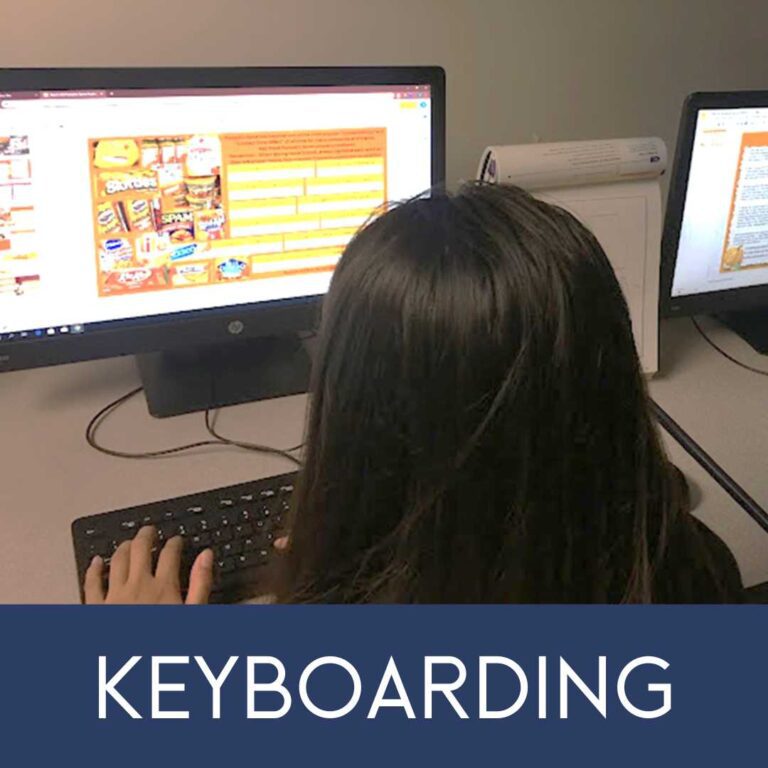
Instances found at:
x=146 y=191
x=209 y=225
x=178 y=226
x=230 y=269
x=110 y=219
x=116 y=253
x=191 y=274
x=116 y=153
x=180 y=211
x=127 y=280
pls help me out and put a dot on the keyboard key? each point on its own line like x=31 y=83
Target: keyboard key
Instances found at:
x=232 y=548
x=94 y=549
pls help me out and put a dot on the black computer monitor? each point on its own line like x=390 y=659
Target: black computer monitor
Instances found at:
x=715 y=245
x=194 y=216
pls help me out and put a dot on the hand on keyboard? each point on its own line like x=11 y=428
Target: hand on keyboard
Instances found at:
x=131 y=579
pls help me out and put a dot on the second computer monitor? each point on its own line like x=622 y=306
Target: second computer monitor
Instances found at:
x=715 y=251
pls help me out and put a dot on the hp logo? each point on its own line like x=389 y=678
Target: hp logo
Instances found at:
x=236 y=327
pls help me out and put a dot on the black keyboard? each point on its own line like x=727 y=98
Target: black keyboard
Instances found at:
x=239 y=522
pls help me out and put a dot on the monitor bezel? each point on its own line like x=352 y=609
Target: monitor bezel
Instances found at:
x=198 y=327
x=711 y=302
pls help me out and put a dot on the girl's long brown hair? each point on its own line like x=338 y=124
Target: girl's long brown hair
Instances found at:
x=479 y=428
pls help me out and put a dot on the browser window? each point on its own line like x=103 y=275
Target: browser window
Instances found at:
x=127 y=204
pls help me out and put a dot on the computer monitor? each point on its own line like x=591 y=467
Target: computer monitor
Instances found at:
x=715 y=245
x=174 y=211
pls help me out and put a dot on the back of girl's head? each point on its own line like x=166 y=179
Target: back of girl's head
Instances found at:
x=478 y=426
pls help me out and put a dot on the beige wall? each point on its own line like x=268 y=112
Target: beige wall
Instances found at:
x=561 y=69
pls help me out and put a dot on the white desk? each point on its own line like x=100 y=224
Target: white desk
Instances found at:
x=49 y=475
x=724 y=408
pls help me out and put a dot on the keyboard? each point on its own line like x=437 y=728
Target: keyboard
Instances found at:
x=239 y=522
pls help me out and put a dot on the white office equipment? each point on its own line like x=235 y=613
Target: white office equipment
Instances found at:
x=612 y=187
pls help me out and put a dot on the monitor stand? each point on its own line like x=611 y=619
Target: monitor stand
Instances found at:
x=212 y=376
x=752 y=326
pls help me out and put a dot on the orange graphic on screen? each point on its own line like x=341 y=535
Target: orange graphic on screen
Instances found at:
x=746 y=238
x=189 y=210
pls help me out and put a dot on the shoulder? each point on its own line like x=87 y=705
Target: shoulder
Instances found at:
x=696 y=566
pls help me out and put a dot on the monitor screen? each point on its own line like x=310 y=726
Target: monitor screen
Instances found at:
x=126 y=204
x=723 y=235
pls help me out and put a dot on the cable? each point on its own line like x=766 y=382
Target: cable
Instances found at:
x=210 y=421
x=711 y=467
x=219 y=440
x=107 y=410
x=723 y=352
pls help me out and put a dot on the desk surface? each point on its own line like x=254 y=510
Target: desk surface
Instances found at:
x=724 y=408
x=49 y=475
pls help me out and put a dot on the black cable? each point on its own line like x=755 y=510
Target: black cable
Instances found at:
x=219 y=440
x=723 y=352
x=210 y=421
x=711 y=467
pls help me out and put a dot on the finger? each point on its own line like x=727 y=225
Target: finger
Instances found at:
x=118 y=569
x=141 y=553
x=169 y=562
x=281 y=543
x=93 y=586
x=201 y=579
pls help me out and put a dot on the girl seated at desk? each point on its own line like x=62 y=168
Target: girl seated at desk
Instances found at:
x=479 y=430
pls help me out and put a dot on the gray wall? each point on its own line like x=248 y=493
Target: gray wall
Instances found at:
x=559 y=69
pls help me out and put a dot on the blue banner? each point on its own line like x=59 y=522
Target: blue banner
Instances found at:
x=383 y=685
